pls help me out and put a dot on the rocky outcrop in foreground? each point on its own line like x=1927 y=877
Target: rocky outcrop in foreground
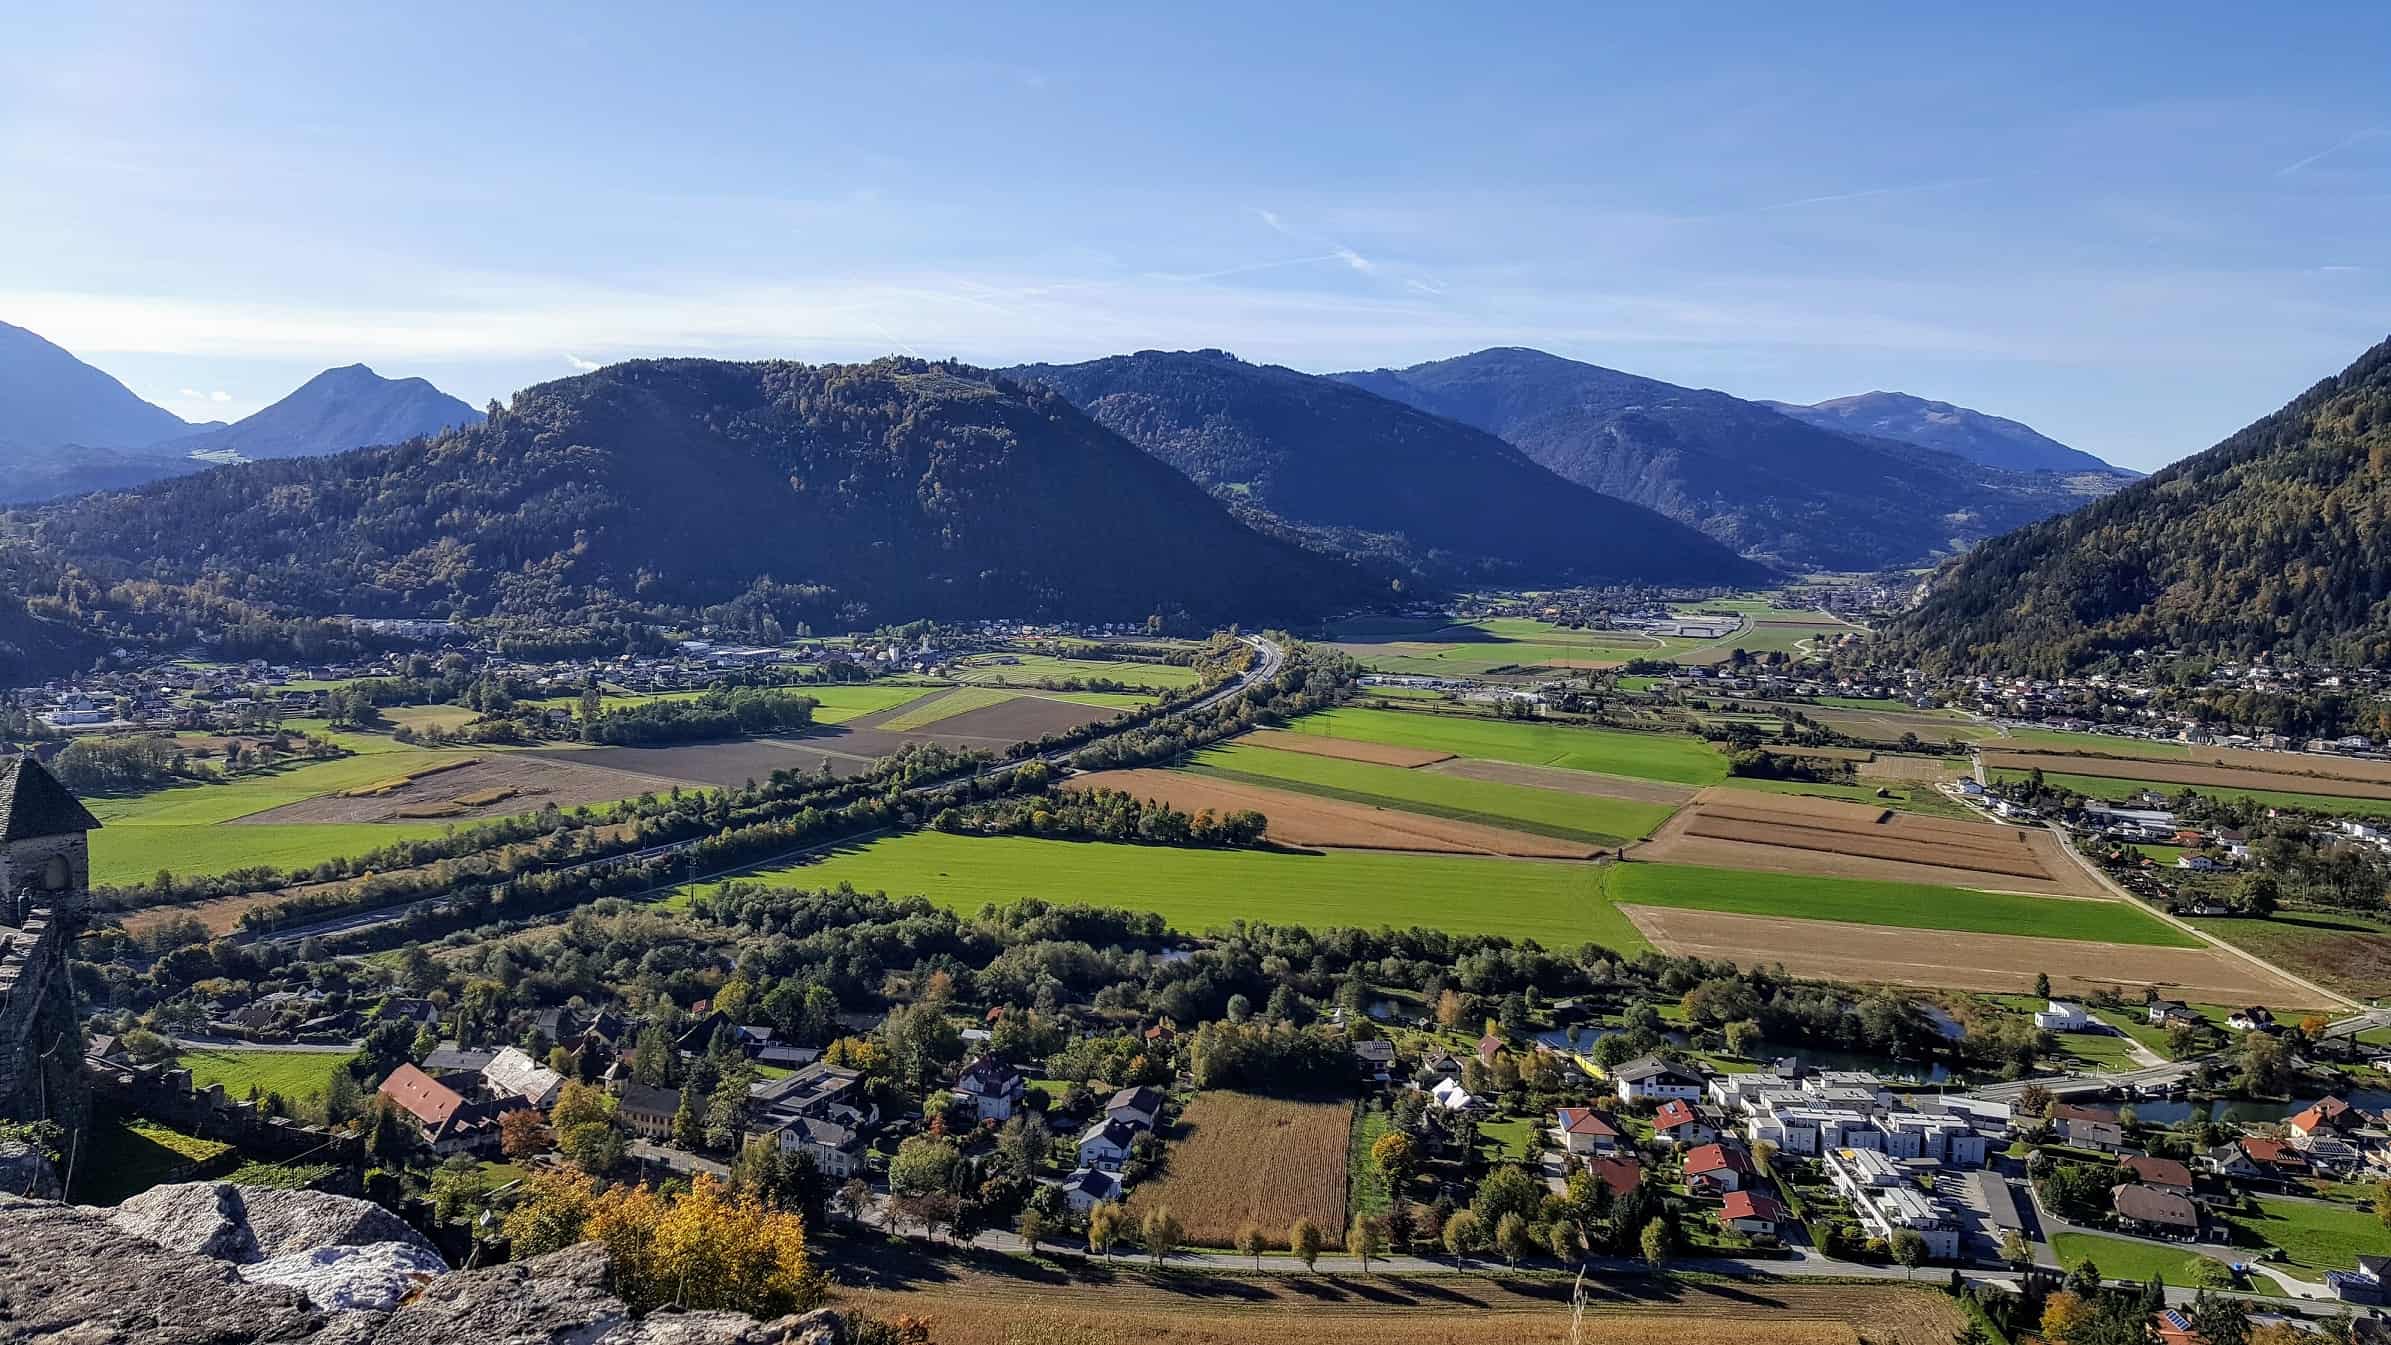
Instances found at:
x=184 y=1265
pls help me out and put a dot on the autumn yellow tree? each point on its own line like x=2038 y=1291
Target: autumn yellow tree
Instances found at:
x=706 y=1249
x=2065 y=1315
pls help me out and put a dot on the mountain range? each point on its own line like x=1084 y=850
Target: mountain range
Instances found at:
x=670 y=490
x=2274 y=544
x=1767 y=484
x=67 y=427
x=1987 y=441
x=1349 y=472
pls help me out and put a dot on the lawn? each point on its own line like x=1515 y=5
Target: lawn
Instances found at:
x=2340 y=950
x=1558 y=904
x=2099 y=1050
x=131 y=852
x=293 y=1074
x=1366 y=1188
x=2315 y=1238
x=1681 y=759
x=2102 y=787
x=2124 y=1259
x=844 y=701
x=1548 y=812
x=1462 y=649
x=1894 y=905
x=2059 y=740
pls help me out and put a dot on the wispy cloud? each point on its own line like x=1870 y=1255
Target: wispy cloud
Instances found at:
x=1269 y=217
x=1867 y=193
x=218 y=396
x=2354 y=137
x=1356 y=260
x=579 y=363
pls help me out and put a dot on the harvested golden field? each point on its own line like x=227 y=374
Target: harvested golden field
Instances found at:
x=1348 y=749
x=1851 y=754
x=1099 y=1305
x=1951 y=960
x=1309 y=820
x=1592 y=784
x=2195 y=774
x=1790 y=833
x=1236 y=1157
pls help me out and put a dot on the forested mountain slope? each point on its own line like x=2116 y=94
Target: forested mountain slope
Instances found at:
x=661 y=489
x=2276 y=542
x=1354 y=472
x=1764 y=483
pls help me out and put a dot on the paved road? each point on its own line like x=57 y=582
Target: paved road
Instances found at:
x=205 y=1043
x=1270 y=658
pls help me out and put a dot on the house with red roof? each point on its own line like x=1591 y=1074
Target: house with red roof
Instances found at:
x=1751 y=1212
x=2163 y=1173
x=446 y=1120
x=1622 y=1175
x=1716 y=1168
x=1678 y=1123
x=2330 y=1114
x=1584 y=1131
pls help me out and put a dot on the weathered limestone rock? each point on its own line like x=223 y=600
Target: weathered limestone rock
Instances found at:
x=248 y=1224
x=26 y=1171
x=71 y=1275
x=375 y=1276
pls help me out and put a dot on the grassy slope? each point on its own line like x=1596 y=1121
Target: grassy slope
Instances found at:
x=1654 y=756
x=1548 y=811
x=1558 y=904
x=1894 y=905
x=2317 y=1238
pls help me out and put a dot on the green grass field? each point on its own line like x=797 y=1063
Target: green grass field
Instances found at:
x=124 y=1157
x=1908 y=797
x=1893 y=905
x=2316 y=1238
x=963 y=700
x=1029 y=669
x=294 y=1074
x=1548 y=812
x=131 y=852
x=2102 y=787
x=2124 y=1259
x=1677 y=758
x=188 y=804
x=842 y=702
x=1557 y=904
x=1460 y=649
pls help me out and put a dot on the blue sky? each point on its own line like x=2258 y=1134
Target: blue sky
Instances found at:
x=2134 y=231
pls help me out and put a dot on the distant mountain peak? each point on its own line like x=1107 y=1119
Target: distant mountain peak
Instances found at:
x=1979 y=437
x=49 y=399
x=347 y=407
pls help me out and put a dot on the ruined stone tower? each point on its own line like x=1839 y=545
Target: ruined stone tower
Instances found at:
x=45 y=868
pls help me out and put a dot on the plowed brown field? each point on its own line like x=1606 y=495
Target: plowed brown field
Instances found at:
x=1788 y=833
x=1347 y=749
x=2190 y=773
x=1943 y=959
x=1306 y=820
